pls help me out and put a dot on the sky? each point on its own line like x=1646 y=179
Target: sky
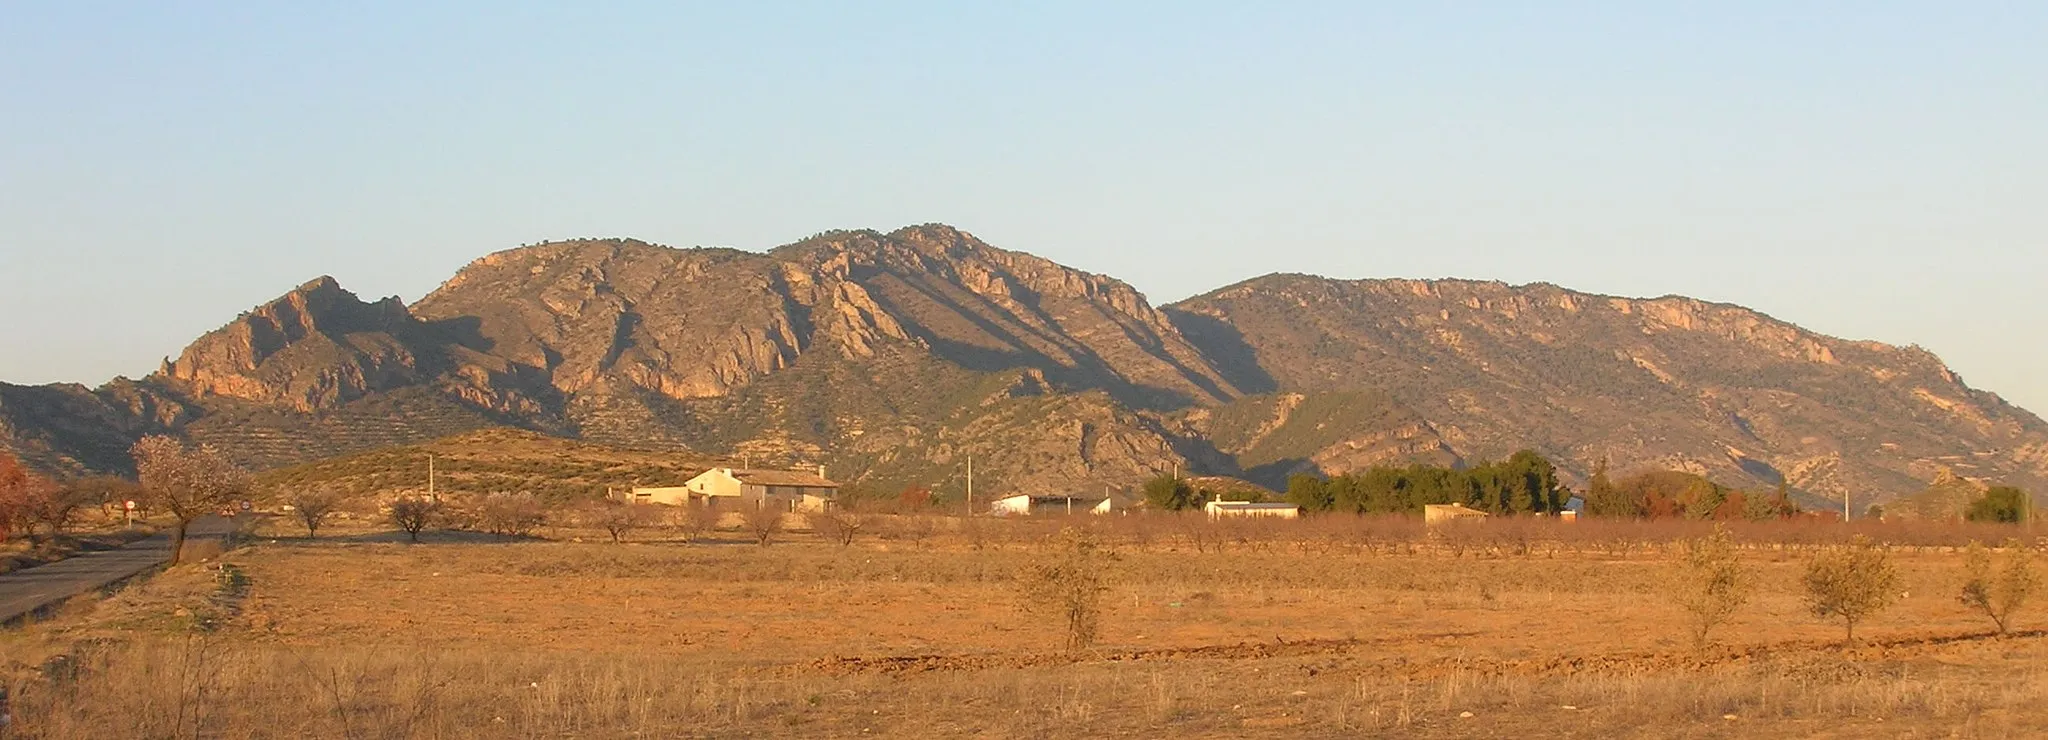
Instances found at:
x=1866 y=170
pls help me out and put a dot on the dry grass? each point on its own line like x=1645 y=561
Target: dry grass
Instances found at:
x=1373 y=627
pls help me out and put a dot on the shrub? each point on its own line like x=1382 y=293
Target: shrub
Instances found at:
x=1068 y=585
x=1851 y=582
x=1999 y=592
x=1167 y=493
x=414 y=514
x=1999 y=504
x=1710 y=583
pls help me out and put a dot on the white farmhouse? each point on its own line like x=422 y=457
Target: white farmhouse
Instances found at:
x=734 y=488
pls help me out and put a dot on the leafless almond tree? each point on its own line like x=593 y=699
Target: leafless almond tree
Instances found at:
x=186 y=482
x=764 y=521
x=839 y=524
x=414 y=514
x=53 y=507
x=618 y=518
x=698 y=519
x=312 y=506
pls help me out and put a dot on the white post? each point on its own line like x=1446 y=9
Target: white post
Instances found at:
x=430 y=477
x=970 y=485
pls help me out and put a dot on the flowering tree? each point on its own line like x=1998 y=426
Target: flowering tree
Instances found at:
x=187 y=482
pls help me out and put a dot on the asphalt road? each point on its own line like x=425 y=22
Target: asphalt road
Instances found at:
x=26 y=591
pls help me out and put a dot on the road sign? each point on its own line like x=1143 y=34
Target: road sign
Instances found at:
x=129 y=505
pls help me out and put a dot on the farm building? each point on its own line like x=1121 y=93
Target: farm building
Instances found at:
x=793 y=490
x=1219 y=509
x=1064 y=503
x=1439 y=513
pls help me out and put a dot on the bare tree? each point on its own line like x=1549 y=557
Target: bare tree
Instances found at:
x=698 y=519
x=917 y=527
x=618 y=518
x=28 y=500
x=764 y=521
x=54 y=507
x=414 y=514
x=839 y=524
x=510 y=514
x=1999 y=592
x=312 y=506
x=108 y=492
x=185 y=481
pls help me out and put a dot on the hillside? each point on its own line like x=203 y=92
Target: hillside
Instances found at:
x=1669 y=383
x=893 y=358
x=493 y=461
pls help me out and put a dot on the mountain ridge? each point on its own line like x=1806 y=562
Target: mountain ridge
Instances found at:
x=895 y=356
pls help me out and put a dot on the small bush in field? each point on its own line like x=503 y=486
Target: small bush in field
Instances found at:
x=1999 y=591
x=1710 y=583
x=1068 y=584
x=1851 y=582
x=414 y=514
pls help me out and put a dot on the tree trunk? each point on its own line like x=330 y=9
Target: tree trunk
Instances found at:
x=178 y=541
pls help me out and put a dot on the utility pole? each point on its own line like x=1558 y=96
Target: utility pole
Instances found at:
x=970 y=485
x=1845 y=504
x=430 y=477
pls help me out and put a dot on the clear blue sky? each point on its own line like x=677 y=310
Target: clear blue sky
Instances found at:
x=1869 y=170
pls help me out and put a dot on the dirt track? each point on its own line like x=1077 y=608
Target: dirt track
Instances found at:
x=1614 y=663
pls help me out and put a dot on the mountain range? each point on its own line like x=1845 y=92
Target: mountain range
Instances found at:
x=893 y=358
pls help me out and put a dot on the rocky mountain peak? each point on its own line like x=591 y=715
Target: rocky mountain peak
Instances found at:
x=312 y=347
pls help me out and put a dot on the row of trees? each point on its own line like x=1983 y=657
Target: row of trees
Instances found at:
x=1525 y=483
x=173 y=478
x=1846 y=583
x=1672 y=494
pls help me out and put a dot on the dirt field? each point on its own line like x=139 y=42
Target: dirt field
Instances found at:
x=461 y=636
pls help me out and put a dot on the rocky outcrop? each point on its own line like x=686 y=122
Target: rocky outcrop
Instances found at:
x=316 y=347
